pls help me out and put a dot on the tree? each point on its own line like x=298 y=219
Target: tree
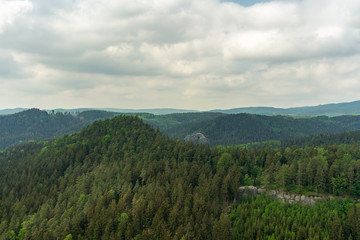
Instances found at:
x=225 y=161
x=336 y=229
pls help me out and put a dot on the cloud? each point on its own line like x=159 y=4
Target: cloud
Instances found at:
x=9 y=67
x=10 y=10
x=170 y=53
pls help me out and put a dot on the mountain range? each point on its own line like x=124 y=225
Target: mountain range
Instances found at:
x=234 y=129
x=217 y=128
x=331 y=110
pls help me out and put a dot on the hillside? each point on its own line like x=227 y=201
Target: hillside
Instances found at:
x=121 y=179
x=155 y=111
x=351 y=137
x=244 y=128
x=11 y=111
x=218 y=128
x=330 y=110
x=34 y=124
x=169 y=121
x=117 y=179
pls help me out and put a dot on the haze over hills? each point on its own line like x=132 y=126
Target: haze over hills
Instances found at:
x=34 y=124
x=156 y=111
x=331 y=110
x=11 y=111
x=244 y=128
x=218 y=128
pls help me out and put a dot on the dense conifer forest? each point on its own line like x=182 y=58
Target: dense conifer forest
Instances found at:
x=218 y=128
x=245 y=128
x=263 y=217
x=328 y=139
x=121 y=179
x=34 y=124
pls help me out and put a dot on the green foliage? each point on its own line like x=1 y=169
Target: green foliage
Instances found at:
x=247 y=128
x=68 y=237
x=116 y=179
x=221 y=129
x=263 y=217
x=121 y=179
x=355 y=189
x=12 y=235
x=339 y=184
x=34 y=124
x=325 y=139
x=225 y=161
x=81 y=198
x=123 y=218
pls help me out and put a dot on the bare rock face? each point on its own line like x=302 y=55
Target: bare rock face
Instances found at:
x=283 y=196
x=197 y=138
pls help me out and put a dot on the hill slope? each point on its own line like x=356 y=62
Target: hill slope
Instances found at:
x=245 y=128
x=351 y=137
x=34 y=124
x=117 y=179
x=331 y=110
x=218 y=128
x=121 y=179
x=11 y=111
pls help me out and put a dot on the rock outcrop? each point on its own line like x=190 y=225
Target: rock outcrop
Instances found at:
x=283 y=196
x=197 y=138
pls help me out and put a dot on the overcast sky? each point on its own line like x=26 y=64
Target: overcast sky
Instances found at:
x=190 y=54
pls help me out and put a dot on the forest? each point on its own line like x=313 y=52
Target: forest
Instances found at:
x=34 y=124
x=218 y=128
x=234 y=129
x=122 y=179
x=323 y=139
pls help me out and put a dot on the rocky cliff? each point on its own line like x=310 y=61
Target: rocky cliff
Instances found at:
x=197 y=138
x=284 y=196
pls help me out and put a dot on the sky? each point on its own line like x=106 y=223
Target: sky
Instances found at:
x=203 y=54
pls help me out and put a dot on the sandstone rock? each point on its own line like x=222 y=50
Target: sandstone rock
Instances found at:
x=287 y=196
x=197 y=138
x=318 y=198
x=261 y=190
x=248 y=190
x=283 y=196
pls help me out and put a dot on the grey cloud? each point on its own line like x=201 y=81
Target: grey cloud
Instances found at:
x=198 y=51
x=10 y=68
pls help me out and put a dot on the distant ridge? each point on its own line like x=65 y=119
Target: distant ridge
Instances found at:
x=11 y=111
x=156 y=111
x=331 y=110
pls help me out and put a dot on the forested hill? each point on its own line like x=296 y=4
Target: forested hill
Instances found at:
x=121 y=179
x=244 y=128
x=116 y=179
x=351 y=137
x=34 y=124
x=219 y=129
x=330 y=110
